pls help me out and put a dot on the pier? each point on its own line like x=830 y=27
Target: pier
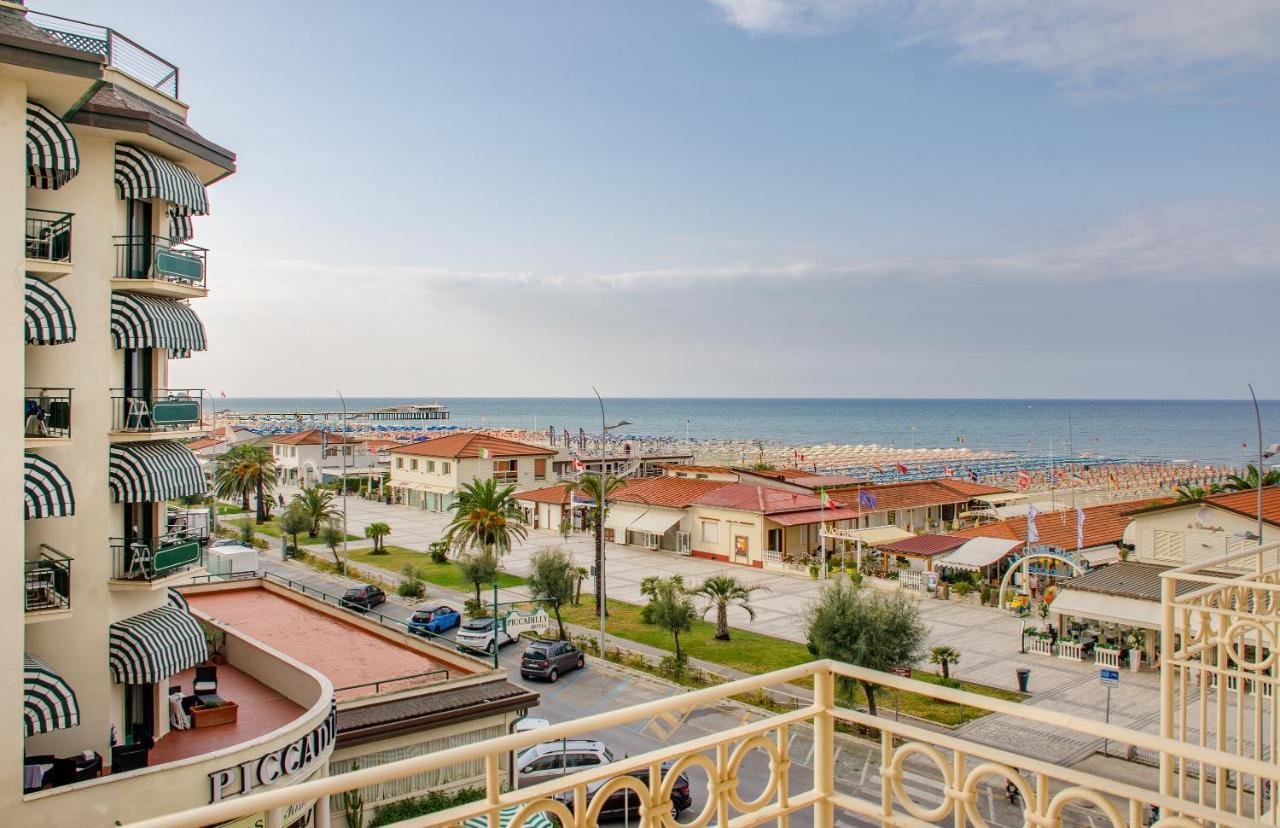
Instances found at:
x=394 y=413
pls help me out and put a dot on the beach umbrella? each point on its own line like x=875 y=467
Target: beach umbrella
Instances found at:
x=535 y=820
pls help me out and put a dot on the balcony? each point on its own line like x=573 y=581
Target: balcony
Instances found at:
x=48 y=243
x=748 y=767
x=159 y=267
x=121 y=53
x=172 y=412
x=46 y=416
x=152 y=564
x=47 y=585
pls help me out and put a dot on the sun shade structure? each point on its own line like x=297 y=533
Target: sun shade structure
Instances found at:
x=159 y=643
x=979 y=552
x=49 y=317
x=177 y=600
x=47 y=491
x=52 y=156
x=141 y=174
x=139 y=321
x=154 y=471
x=506 y=818
x=639 y=519
x=48 y=702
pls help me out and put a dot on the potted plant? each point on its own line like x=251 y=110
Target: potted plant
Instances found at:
x=1135 y=639
x=813 y=570
x=214 y=713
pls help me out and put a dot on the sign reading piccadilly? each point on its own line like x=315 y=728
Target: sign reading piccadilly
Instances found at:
x=294 y=758
x=519 y=622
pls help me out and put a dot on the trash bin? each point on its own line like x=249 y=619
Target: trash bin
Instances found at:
x=1024 y=676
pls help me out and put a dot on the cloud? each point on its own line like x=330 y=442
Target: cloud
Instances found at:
x=1092 y=47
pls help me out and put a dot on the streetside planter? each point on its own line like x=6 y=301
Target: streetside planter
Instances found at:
x=1040 y=645
x=216 y=714
x=1135 y=660
x=1106 y=657
x=1071 y=650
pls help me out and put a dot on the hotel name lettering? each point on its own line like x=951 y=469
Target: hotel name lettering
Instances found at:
x=294 y=758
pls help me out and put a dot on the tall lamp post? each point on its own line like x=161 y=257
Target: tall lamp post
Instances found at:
x=601 y=598
x=1263 y=453
x=345 y=556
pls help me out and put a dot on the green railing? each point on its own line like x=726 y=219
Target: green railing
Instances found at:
x=150 y=560
x=46 y=412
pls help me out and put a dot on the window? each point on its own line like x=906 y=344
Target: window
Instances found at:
x=550 y=762
x=892 y=518
x=431 y=466
x=1167 y=545
x=399 y=462
x=446 y=468
x=540 y=468
x=583 y=760
x=710 y=531
x=740 y=546
x=413 y=465
x=505 y=470
x=775 y=540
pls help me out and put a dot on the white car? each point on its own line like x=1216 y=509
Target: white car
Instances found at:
x=477 y=634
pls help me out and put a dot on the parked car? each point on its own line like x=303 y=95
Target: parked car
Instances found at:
x=363 y=597
x=550 y=659
x=478 y=634
x=433 y=618
x=560 y=757
x=626 y=802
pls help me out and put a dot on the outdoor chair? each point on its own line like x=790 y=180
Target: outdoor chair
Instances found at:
x=206 y=681
x=128 y=757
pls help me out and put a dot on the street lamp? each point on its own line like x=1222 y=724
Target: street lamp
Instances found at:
x=1263 y=454
x=345 y=556
x=600 y=584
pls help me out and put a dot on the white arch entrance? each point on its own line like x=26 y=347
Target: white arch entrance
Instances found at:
x=1039 y=552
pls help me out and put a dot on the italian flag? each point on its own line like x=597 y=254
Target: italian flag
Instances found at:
x=485 y=454
x=827 y=502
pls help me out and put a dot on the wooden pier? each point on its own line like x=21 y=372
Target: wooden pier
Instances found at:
x=394 y=413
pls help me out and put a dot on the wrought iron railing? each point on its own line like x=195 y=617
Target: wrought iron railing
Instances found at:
x=47 y=580
x=142 y=560
x=157 y=257
x=120 y=52
x=48 y=235
x=165 y=409
x=46 y=412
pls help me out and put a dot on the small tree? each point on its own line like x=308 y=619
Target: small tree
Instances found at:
x=580 y=574
x=552 y=578
x=478 y=568
x=566 y=524
x=332 y=536
x=245 y=533
x=293 y=520
x=944 y=657
x=377 y=530
x=410 y=585
x=318 y=505
x=670 y=607
x=867 y=628
x=722 y=592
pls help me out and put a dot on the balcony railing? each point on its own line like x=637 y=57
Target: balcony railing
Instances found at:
x=47 y=580
x=120 y=52
x=46 y=412
x=156 y=257
x=48 y=235
x=150 y=560
x=752 y=768
x=167 y=409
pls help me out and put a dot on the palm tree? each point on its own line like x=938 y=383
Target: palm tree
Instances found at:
x=318 y=505
x=1236 y=483
x=229 y=480
x=591 y=485
x=377 y=530
x=243 y=471
x=486 y=517
x=944 y=657
x=721 y=592
x=1190 y=492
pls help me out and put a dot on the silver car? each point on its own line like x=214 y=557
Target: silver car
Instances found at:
x=561 y=757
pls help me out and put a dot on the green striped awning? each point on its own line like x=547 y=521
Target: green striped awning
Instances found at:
x=52 y=156
x=150 y=647
x=48 y=701
x=505 y=817
x=139 y=321
x=47 y=491
x=49 y=317
x=177 y=599
x=141 y=174
x=180 y=227
x=153 y=471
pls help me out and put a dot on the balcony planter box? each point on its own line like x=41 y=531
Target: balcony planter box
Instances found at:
x=225 y=713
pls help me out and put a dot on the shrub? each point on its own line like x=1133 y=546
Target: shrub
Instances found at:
x=418 y=805
x=439 y=552
x=953 y=683
x=411 y=588
x=475 y=609
x=244 y=531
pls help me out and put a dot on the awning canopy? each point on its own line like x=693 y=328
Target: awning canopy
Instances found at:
x=46 y=490
x=1101 y=555
x=178 y=600
x=620 y=516
x=150 y=647
x=139 y=321
x=49 y=317
x=979 y=552
x=141 y=174
x=507 y=816
x=1113 y=609
x=52 y=156
x=809 y=517
x=874 y=535
x=48 y=702
x=154 y=471
x=656 y=521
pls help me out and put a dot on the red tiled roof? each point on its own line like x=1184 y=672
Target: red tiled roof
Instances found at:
x=205 y=442
x=675 y=492
x=916 y=494
x=549 y=494
x=693 y=468
x=759 y=499
x=924 y=545
x=804 y=477
x=1243 y=503
x=809 y=516
x=311 y=437
x=1103 y=524
x=468 y=444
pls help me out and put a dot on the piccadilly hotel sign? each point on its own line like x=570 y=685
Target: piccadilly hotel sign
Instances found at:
x=294 y=759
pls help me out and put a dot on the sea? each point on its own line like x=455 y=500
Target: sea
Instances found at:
x=1205 y=431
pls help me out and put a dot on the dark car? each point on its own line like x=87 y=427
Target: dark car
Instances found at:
x=550 y=659
x=363 y=597
x=433 y=618
x=626 y=802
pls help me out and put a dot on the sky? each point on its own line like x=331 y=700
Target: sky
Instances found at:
x=845 y=198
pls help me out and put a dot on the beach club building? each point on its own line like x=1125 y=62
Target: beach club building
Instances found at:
x=428 y=474
x=305 y=458
x=760 y=526
x=915 y=506
x=656 y=512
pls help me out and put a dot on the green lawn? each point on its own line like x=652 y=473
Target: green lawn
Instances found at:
x=272 y=530
x=445 y=575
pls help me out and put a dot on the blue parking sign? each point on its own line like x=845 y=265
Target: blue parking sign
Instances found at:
x=1109 y=677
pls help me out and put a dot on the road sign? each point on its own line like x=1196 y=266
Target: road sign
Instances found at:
x=1109 y=677
x=905 y=672
x=537 y=622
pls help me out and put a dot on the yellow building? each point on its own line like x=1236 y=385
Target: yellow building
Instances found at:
x=428 y=474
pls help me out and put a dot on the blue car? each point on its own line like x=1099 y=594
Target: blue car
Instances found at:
x=433 y=618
